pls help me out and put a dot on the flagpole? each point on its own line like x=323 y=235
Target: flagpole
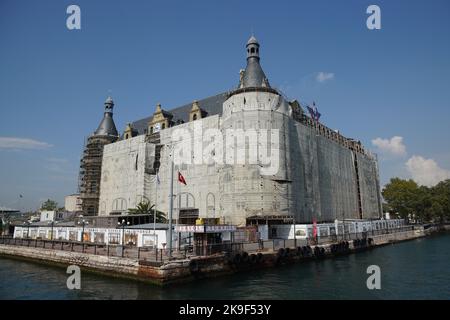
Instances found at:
x=178 y=211
x=170 y=203
x=156 y=203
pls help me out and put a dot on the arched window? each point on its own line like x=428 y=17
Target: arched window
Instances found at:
x=119 y=204
x=252 y=50
x=163 y=125
x=126 y=136
x=194 y=117
x=186 y=200
x=151 y=129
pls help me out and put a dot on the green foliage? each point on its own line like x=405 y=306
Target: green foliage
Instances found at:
x=406 y=199
x=144 y=207
x=49 y=205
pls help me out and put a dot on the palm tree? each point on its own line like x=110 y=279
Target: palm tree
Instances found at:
x=144 y=207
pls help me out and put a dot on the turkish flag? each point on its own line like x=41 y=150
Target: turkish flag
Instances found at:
x=181 y=178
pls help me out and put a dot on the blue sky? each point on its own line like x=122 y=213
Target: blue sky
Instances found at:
x=386 y=83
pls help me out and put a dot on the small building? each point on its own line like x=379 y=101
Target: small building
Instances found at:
x=140 y=236
x=4 y=210
x=338 y=228
x=207 y=238
x=72 y=203
x=48 y=215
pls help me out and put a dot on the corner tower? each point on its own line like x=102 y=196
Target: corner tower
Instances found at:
x=91 y=162
x=255 y=116
x=253 y=75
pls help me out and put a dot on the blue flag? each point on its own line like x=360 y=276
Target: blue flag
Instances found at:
x=315 y=114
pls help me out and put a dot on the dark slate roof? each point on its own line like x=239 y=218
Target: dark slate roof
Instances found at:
x=211 y=105
x=254 y=75
x=107 y=126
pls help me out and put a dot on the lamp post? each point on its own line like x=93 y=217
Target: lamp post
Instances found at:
x=27 y=223
x=123 y=224
x=51 y=232
x=83 y=223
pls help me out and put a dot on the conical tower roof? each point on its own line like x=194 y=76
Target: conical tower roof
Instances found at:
x=107 y=126
x=254 y=76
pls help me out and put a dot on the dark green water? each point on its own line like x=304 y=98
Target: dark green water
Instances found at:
x=418 y=269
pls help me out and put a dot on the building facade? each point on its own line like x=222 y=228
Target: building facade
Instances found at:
x=72 y=203
x=248 y=156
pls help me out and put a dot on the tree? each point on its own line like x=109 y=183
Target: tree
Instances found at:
x=144 y=207
x=405 y=198
x=401 y=197
x=440 y=201
x=49 y=205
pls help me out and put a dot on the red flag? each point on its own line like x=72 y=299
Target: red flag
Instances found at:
x=314 y=228
x=181 y=178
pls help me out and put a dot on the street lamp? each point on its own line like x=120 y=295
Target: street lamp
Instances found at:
x=83 y=223
x=52 y=223
x=27 y=223
x=123 y=223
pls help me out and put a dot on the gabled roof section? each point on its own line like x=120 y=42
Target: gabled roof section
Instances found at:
x=211 y=105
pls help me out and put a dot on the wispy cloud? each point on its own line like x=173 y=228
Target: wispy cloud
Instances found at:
x=57 y=165
x=426 y=171
x=58 y=160
x=324 y=76
x=22 y=143
x=393 y=146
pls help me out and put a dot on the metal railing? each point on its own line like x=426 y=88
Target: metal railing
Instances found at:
x=276 y=244
x=131 y=252
x=154 y=255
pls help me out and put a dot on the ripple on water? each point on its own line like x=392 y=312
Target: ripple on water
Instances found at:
x=409 y=270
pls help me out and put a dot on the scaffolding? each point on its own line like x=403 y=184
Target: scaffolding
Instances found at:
x=90 y=172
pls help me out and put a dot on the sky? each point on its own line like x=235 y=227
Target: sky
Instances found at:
x=388 y=88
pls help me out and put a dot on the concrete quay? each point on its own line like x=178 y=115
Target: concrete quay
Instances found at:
x=198 y=267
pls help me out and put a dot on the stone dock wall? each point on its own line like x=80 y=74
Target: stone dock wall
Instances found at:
x=183 y=270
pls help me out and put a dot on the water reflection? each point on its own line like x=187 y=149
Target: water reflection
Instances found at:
x=410 y=270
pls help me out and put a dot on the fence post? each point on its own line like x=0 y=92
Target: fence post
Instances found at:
x=107 y=250
x=139 y=252
x=62 y=245
x=95 y=248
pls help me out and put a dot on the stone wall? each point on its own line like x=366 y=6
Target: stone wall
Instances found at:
x=125 y=179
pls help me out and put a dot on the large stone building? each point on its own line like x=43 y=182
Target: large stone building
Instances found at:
x=313 y=172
